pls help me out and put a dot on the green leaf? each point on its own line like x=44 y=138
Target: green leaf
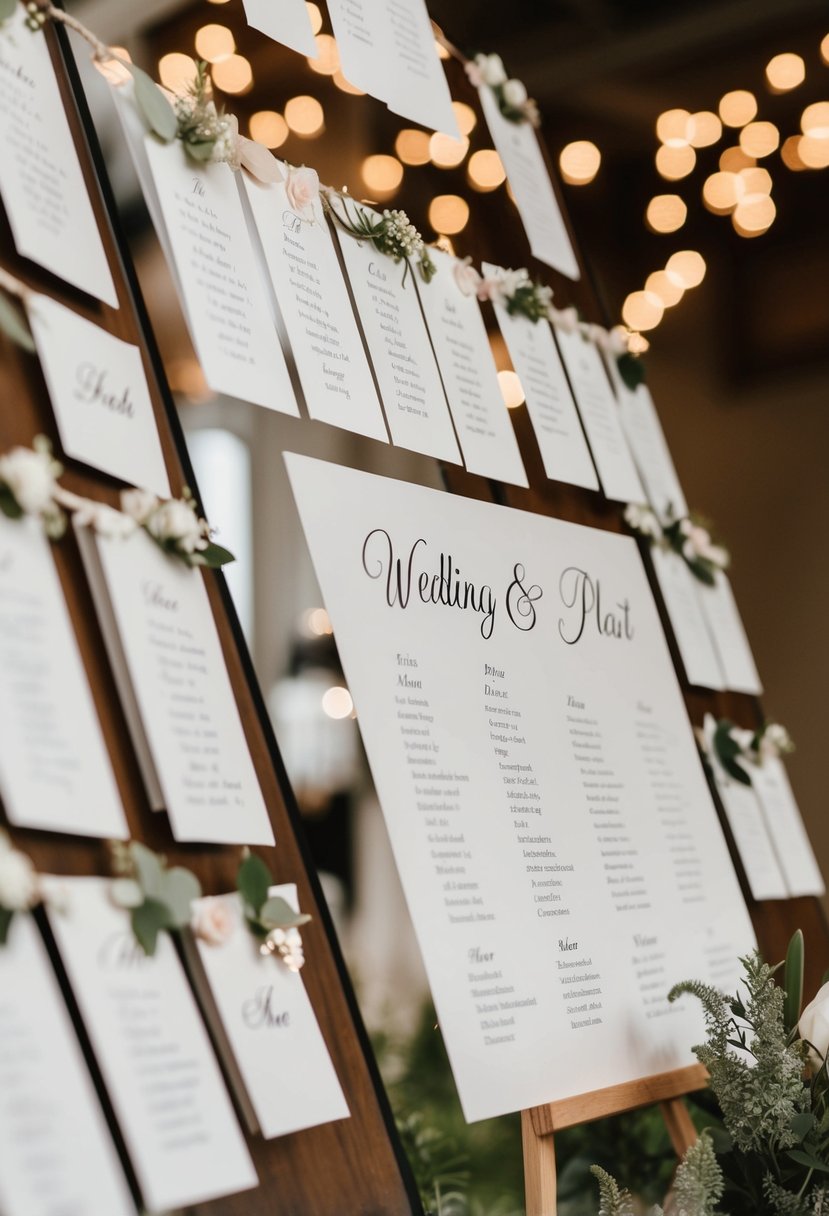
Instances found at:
x=277 y=913
x=149 y=870
x=147 y=923
x=13 y=322
x=802 y=1124
x=6 y=915
x=631 y=369
x=802 y=1157
x=793 y=981
x=126 y=892
x=160 y=115
x=214 y=556
x=7 y=9
x=199 y=149
x=9 y=505
x=180 y=888
x=727 y=750
x=253 y=880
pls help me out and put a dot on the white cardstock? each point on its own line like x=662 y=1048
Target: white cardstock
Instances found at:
x=690 y=628
x=271 y=1029
x=398 y=342
x=313 y=299
x=600 y=415
x=286 y=21
x=649 y=446
x=167 y=657
x=153 y=1050
x=55 y=771
x=56 y=1153
x=467 y=367
x=553 y=829
x=100 y=396
x=42 y=183
x=730 y=638
x=520 y=152
x=751 y=836
x=787 y=829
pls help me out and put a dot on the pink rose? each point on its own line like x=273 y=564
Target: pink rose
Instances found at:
x=489 y=289
x=302 y=189
x=214 y=920
x=467 y=278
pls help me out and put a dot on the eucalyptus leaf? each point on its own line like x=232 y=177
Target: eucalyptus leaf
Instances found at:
x=803 y=1157
x=9 y=505
x=793 y=982
x=14 y=324
x=149 y=870
x=148 y=921
x=199 y=149
x=631 y=369
x=157 y=110
x=126 y=893
x=277 y=913
x=7 y=9
x=215 y=556
x=180 y=888
x=253 y=880
x=6 y=915
x=802 y=1124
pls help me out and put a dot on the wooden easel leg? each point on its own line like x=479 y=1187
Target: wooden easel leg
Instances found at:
x=539 y=1169
x=679 y=1124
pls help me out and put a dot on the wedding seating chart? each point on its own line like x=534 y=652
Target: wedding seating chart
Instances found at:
x=520 y=152
x=553 y=829
x=55 y=771
x=287 y=22
x=265 y=1021
x=600 y=415
x=465 y=361
x=751 y=836
x=313 y=301
x=56 y=1153
x=688 y=622
x=42 y=183
x=550 y=405
x=387 y=49
x=401 y=353
x=730 y=639
x=152 y=1047
x=786 y=828
x=100 y=396
x=167 y=658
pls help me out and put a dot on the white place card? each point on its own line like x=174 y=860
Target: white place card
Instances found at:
x=518 y=147
x=543 y=792
x=467 y=368
x=267 y=1027
x=600 y=415
x=387 y=48
x=550 y=405
x=100 y=396
x=153 y=1050
x=690 y=628
x=167 y=658
x=42 y=183
x=751 y=836
x=286 y=21
x=649 y=446
x=55 y=771
x=56 y=1153
x=786 y=828
x=400 y=350
x=730 y=639
x=316 y=311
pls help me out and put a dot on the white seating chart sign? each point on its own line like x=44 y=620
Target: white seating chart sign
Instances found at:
x=550 y=818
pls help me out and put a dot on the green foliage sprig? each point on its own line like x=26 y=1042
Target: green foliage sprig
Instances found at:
x=270 y=918
x=156 y=897
x=391 y=233
x=176 y=527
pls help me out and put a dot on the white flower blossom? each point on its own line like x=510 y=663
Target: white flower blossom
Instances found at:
x=491 y=69
x=30 y=477
x=227 y=149
x=642 y=520
x=214 y=920
x=775 y=742
x=139 y=504
x=567 y=319
x=287 y=943
x=18 y=880
x=176 y=522
x=814 y=1027
x=302 y=189
x=467 y=277
x=514 y=93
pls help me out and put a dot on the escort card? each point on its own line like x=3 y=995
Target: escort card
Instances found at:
x=786 y=828
x=387 y=48
x=467 y=368
x=751 y=836
x=646 y=438
x=55 y=771
x=268 y=1030
x=518 y=147
x=287 y=22
x=730 y=640
x=100 y=396
x=42 y=183
x=600 y=415
x=690 y=628
x=401 y=353
x=167 y=658
x=153 y=1050
x=313 y=300
x=56 y=1154
x=543 y=793
x=550 y=405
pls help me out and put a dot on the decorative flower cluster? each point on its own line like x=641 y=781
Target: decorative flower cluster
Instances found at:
x=175 y=526
x=391 y=233
x=156 y=896
x=19 y=886
x=28 y=486
x=270 y=918
x=206 y=134
x=512 y=288
x=287 y=943
x=737 y=749
x=511 y=95
x=691 y=539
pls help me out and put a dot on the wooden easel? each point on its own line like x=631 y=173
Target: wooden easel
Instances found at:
x=539 y=1124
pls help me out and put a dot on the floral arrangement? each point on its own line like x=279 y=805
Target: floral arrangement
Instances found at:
x=391 y=233
x=176 y=527
x=737 y=750
x=28 y=486
x=270 y=918
x=19 y=886
x=768 y=1151
x=156 y=897
x=688 y=536
x=510 y=94
x=514 y=289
